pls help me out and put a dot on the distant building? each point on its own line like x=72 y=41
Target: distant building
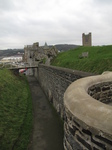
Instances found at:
x=86 y=39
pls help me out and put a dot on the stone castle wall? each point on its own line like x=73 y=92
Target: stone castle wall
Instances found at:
x=54 y=81
x=87 y=122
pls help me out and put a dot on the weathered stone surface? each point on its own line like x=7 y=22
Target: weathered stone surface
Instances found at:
x=89 y=121
x=102 y=92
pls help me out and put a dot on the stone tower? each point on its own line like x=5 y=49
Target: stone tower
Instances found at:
x=86 y=39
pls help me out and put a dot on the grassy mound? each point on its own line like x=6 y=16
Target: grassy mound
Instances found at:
x=99 y=59
x=15 y=111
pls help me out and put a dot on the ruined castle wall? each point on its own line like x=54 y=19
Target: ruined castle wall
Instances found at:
x=88 y=123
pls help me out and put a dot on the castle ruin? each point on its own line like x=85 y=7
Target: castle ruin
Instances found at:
x=33 y=54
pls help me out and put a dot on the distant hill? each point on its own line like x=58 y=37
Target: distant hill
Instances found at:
x=65 y=47
x=10 y=52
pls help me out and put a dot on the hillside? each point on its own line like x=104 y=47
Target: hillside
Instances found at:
x=15 y=111
x=99 y=59
x=65 y=47
x=10 y=52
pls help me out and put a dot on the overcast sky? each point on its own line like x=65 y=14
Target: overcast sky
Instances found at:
x=23 y=22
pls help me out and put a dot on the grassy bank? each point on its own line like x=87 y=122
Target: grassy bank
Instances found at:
x=15 y=111
x=99 y=59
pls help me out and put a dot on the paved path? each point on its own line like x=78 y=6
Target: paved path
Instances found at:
x=48 y=130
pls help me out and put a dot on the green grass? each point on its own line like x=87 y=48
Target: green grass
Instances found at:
x=98 y=61
x=15 y=111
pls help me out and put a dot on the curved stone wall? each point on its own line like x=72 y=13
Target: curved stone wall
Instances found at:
x=88 y=123
x=102 y=92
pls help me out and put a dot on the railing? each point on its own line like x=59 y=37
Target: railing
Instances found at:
x=17 y=66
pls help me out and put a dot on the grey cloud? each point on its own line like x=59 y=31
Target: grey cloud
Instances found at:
x=6 y=5
x=24 y=22
x=103 y=1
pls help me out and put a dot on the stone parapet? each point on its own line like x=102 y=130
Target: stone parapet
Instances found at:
x=88 y=122
x=54 y=81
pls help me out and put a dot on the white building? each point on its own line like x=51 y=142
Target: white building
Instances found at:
x=17 y=58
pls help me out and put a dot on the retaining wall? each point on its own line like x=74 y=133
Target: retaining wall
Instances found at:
x=88 y=124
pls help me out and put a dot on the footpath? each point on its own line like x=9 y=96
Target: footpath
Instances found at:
x=47 y=127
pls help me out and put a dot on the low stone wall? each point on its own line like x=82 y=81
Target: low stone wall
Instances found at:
x=88 y=122
x=54 y=81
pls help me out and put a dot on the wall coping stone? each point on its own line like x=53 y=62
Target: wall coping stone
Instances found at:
x=76 y=72
x=92 y=112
